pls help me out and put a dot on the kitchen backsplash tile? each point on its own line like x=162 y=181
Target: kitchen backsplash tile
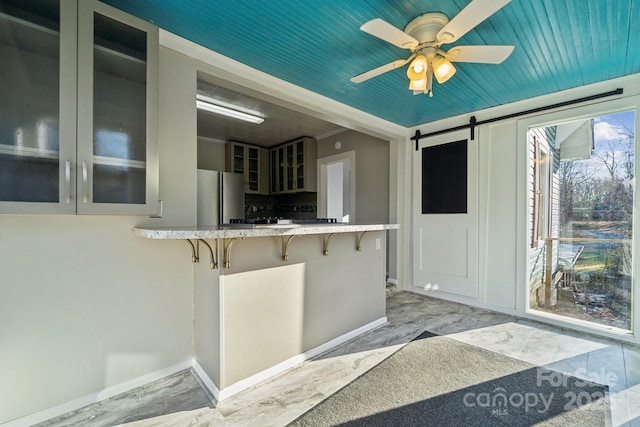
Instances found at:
x=299 y=205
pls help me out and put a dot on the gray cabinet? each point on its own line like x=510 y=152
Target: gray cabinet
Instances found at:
x=252 y=162
x=78 y=109
x=293 y=166
x=277 y=173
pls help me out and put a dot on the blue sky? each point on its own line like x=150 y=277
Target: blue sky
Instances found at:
x=609 y=137
x=610 y=127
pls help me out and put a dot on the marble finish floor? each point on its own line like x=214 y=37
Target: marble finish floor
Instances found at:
x=180 y=401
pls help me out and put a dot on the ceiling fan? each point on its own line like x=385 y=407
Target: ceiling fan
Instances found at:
x=425 y=35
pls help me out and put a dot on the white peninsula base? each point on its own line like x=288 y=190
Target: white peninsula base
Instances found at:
x=279 y=296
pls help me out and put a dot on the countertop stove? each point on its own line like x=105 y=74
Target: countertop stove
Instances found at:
x=278 y=222
x=283 y=221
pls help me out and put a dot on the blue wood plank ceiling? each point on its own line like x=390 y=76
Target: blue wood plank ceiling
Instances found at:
x=318 y=45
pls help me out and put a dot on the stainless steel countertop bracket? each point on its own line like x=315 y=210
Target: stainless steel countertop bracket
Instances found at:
x=285 y=246
x=226 y=262
x=195 y=252
x=325 y=243
x=213 y=259
x=195 y=257
x=359 y=242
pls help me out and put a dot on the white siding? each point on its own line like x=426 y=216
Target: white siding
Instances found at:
x=537 y=254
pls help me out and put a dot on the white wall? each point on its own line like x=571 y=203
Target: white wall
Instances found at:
x=502 y=194
x=497 y=215
x=84 y=303
x=211 y=154
x=302 y=303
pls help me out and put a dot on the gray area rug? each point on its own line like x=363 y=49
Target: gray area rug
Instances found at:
x=437 y=381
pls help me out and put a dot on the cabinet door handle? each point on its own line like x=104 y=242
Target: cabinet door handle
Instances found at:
x=85 y=181
x=67 y=181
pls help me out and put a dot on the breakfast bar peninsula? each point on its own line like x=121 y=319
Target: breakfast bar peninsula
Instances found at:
x=267 y=298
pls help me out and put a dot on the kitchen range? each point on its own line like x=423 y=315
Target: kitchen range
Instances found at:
x=272 y=222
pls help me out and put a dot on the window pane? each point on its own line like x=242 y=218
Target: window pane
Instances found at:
x=583 y=268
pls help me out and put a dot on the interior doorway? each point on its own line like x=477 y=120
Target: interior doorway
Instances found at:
x=337 y=187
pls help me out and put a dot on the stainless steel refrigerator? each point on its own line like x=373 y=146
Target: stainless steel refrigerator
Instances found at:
x=220 y=197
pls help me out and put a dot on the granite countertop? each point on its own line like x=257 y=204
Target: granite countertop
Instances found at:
x=274 y=230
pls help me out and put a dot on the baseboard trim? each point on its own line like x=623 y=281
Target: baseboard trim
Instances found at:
x=206 y=380
x=346 y=337
x=219 y=395
x=292 y=362
x=106 y=393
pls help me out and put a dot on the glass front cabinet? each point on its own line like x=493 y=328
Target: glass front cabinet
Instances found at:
x=251 y=161
x=78 y=109
x=293 y=166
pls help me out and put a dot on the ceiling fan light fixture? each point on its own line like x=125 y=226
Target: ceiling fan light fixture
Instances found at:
x=418 y=85
x=426 y=34
x=443 y=69
x=417 y=68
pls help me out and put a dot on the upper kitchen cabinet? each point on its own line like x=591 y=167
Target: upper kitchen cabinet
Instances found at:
x=293 y=166
x=252 y=162
x=117 y=111
x=78 y=109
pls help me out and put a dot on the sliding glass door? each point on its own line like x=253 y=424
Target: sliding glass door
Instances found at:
x=580 y=219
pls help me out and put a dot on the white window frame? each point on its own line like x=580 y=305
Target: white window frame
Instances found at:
x=524 y=238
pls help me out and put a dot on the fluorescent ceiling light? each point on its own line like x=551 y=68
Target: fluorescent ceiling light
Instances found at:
x=209 y=104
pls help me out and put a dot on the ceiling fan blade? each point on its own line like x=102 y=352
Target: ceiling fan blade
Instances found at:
x=381 y=70
x=467 y=19
x=480 y=54
x=387 y=32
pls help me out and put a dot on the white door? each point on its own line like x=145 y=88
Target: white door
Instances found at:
x=338 y=190
x=337 y=187
x=445 y=220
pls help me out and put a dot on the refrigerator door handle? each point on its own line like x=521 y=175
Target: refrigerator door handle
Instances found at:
x=221 y=199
